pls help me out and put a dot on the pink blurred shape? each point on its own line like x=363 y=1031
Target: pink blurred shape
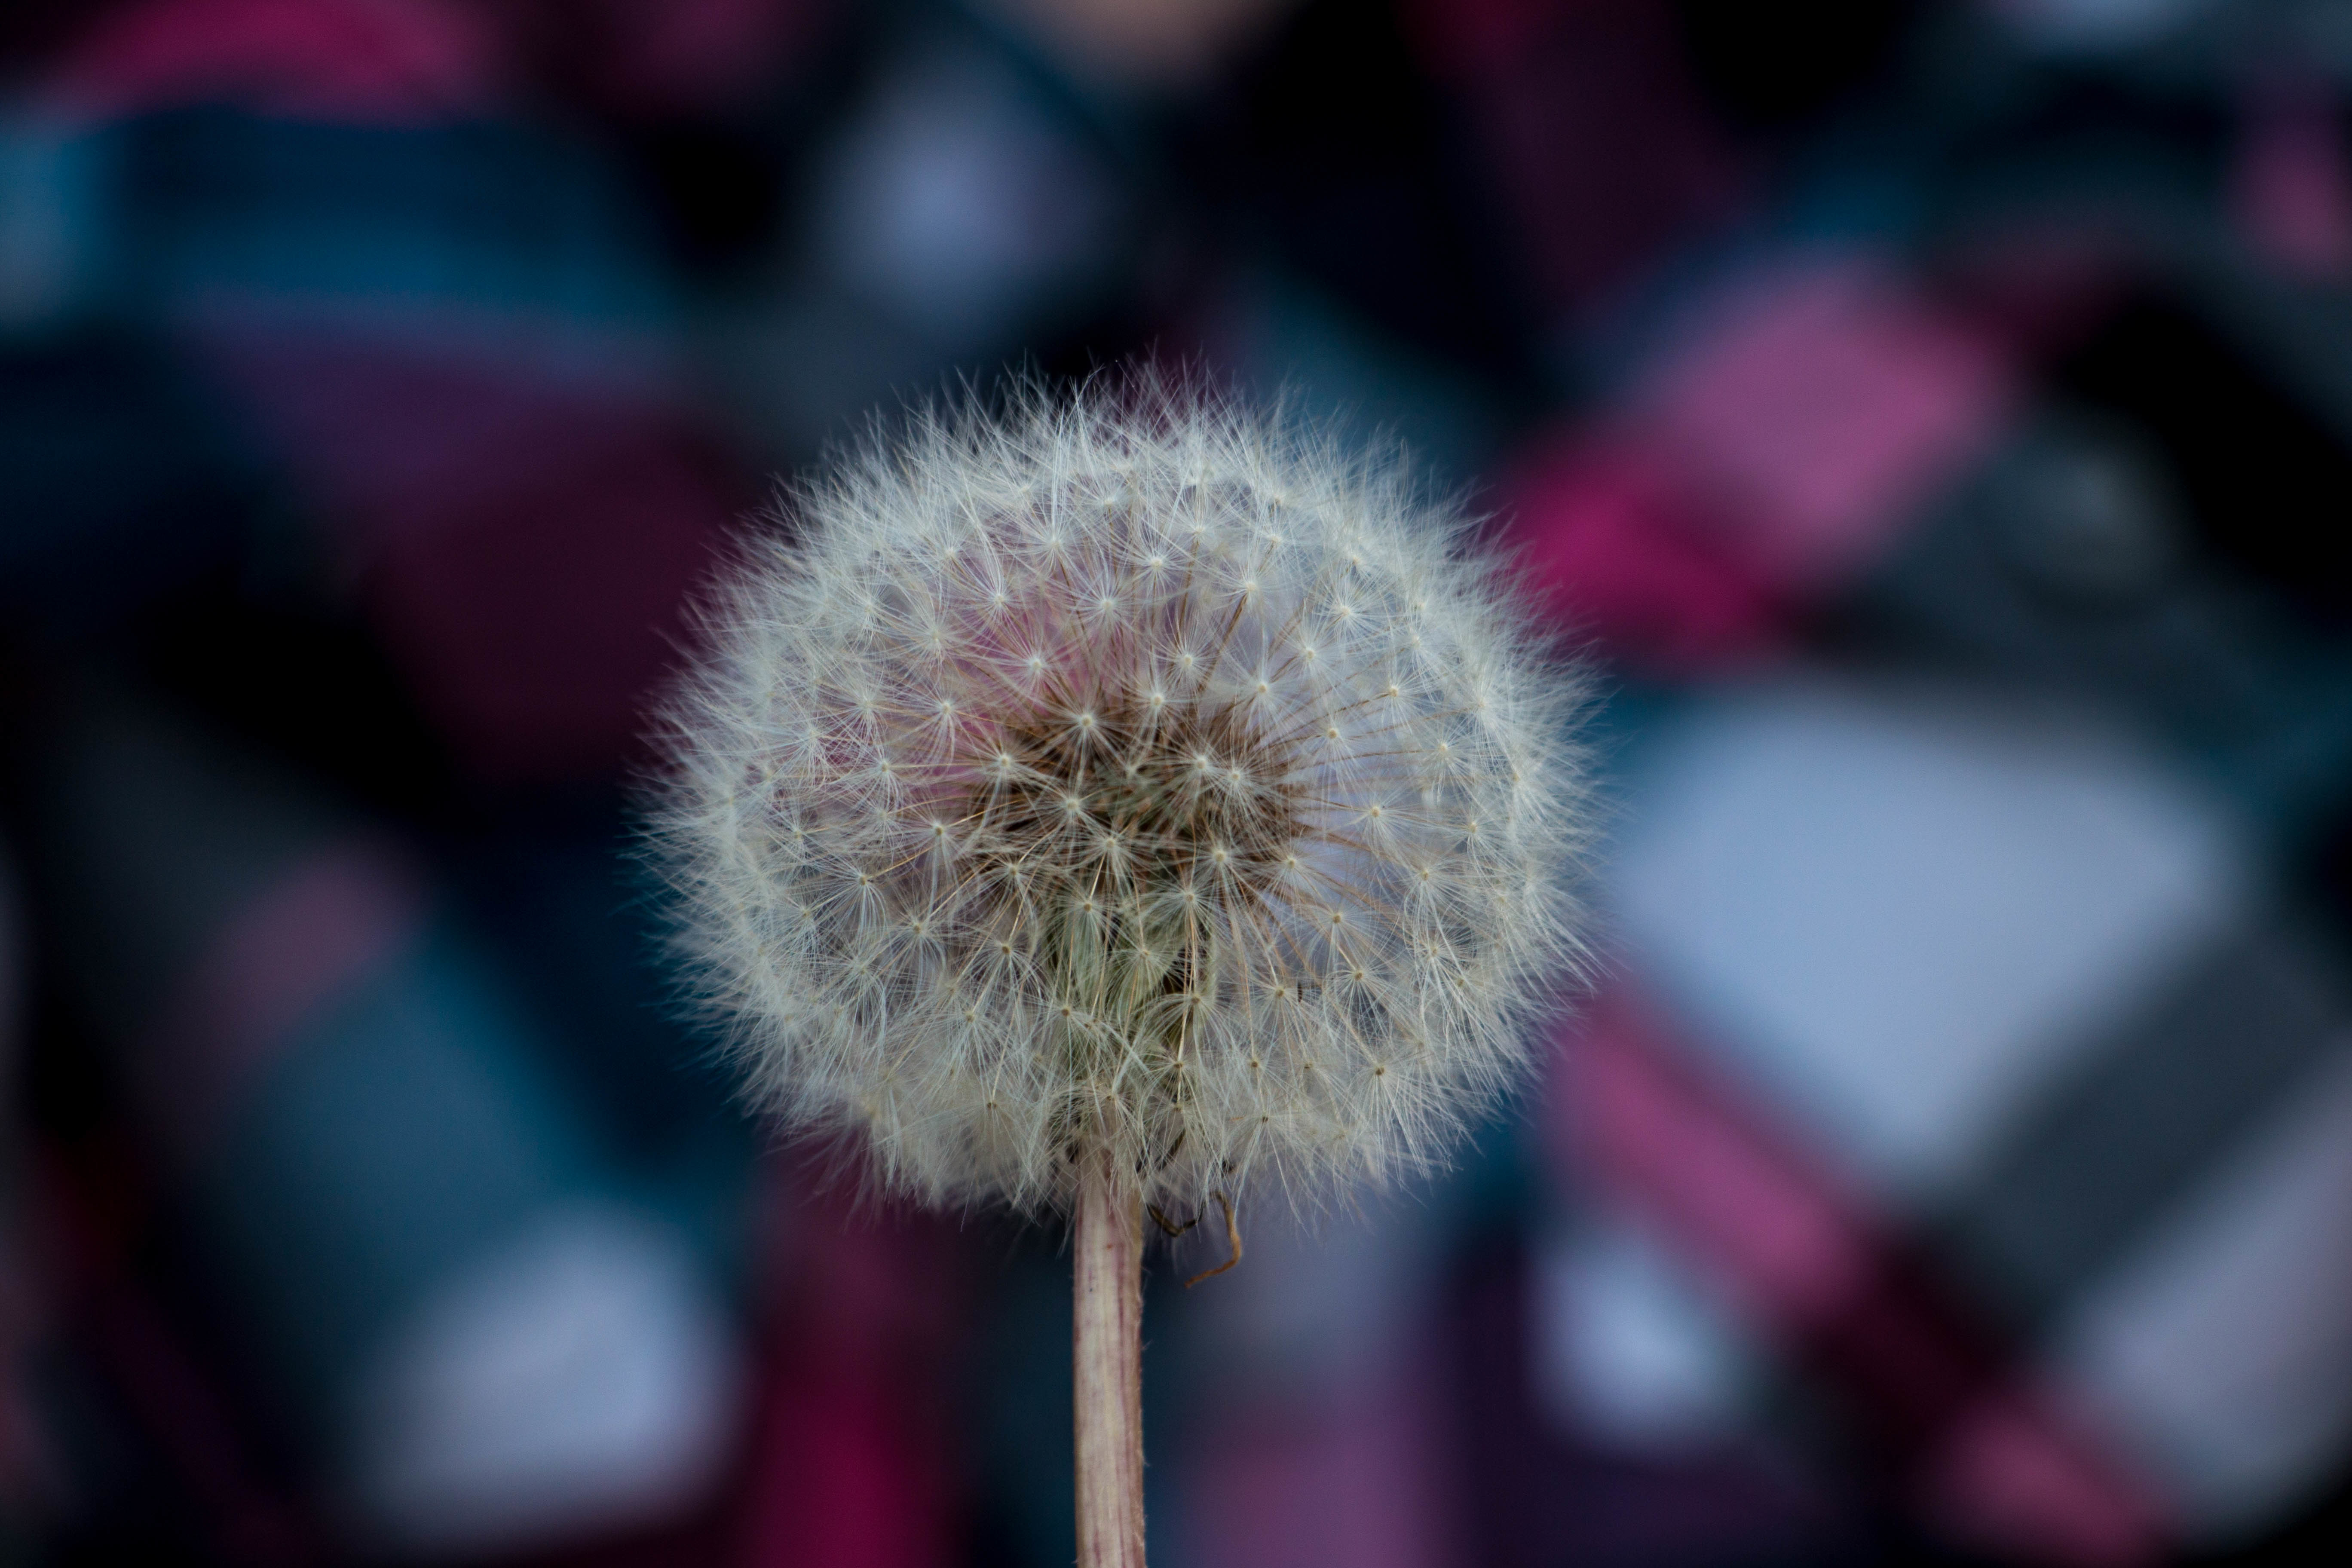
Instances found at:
x=2008 y=1476
x=851 y=1467
x=1602 y=540
x=2290 y=186
x=1985 y=1450
x=656 y=58
x=1752 y=1207
x=834 y=1486
x=323 y=927
x=1593 y=136
x=689 y=54
x=373 y=61
x=525 y=537
x=1351 y=1481
x=1804 y=419
x=1462 y=37
x=1815 y=407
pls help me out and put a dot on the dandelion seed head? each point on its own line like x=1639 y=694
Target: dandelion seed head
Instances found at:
x=1118 y=818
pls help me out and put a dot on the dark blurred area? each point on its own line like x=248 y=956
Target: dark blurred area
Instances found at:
x=1934 y=420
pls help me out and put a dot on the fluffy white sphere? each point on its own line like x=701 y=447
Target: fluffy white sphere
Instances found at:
x=1123 y=772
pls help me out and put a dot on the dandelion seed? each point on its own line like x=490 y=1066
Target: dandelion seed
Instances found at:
x=1243 y=767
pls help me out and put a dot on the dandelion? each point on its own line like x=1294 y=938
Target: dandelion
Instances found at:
x=1123 y=802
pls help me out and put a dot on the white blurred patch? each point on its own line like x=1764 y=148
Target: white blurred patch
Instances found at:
x=1313 y=1309
x=959 y=206
x=2222 y=1350
x=1900 y=919
x=583 y=1378
x=1631 y=1350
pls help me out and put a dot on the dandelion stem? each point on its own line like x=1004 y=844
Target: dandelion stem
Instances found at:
x=1106 y=1356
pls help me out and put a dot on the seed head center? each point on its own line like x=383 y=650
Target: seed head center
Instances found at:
x=1113 y=811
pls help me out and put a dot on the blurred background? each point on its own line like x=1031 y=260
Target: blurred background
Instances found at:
x=1934 y=419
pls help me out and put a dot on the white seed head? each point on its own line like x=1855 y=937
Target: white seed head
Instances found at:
x=1009 y=824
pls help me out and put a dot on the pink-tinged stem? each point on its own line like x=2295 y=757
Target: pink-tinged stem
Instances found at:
x=1107 y=1354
